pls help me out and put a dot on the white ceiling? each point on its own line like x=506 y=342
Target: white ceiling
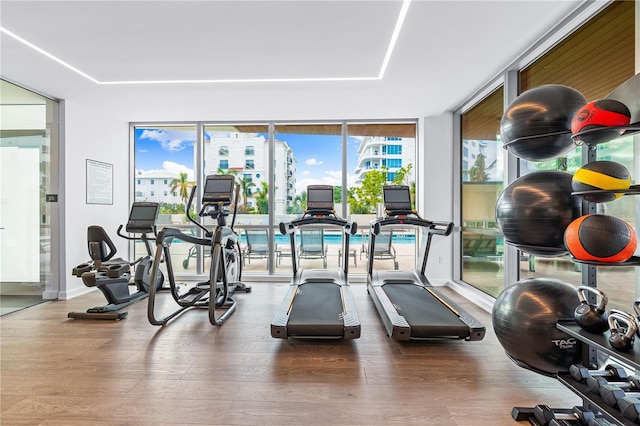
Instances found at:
x=445 y=51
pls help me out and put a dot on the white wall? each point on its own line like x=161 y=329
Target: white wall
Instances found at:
x=92 y=133
x=435 y=188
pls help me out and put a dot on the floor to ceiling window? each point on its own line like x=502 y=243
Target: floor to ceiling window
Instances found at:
x=482 y=182
x=165 y=158
x=307 y=154
x=29 y=202
x=381 y=154
x=273 y=169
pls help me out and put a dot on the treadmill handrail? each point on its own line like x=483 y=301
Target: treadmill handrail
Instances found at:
x=432 y=228
x=349 y=228
x=439 y=228
x=290 y=227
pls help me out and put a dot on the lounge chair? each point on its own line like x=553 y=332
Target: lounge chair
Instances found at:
x=384 y=249
x=312 y=245
x=257 y=245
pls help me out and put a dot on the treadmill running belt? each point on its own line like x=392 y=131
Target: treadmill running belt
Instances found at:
x=317 y=311
x=426 y=315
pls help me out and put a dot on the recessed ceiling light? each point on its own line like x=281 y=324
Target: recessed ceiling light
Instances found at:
x=383 y=68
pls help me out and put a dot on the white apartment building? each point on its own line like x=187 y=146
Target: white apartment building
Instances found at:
x=248 y=155
x=376 y=152
x=155 y=186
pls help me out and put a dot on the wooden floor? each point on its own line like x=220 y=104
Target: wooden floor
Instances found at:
x=57 y=371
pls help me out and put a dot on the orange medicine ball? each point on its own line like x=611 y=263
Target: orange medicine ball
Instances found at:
x=600 y=238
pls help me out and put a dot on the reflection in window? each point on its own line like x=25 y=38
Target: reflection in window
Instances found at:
x=482 y=183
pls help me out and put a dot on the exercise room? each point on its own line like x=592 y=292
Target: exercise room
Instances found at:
x=319 y=213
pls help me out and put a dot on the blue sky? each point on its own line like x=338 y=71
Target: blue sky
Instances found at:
x=319 y=157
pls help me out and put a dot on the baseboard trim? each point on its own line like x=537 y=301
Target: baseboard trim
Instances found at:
x=480 y=298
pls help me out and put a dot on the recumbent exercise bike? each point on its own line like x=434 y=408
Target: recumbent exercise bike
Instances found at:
x=112 y=275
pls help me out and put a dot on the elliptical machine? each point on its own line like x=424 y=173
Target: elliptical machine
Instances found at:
x=226 y=257
x=112 y=275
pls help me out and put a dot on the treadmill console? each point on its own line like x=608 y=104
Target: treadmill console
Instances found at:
x=218 y=189
x=142 y=217
x=397 y=198
x=320 y=198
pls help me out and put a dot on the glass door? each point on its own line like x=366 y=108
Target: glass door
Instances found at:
x=28 y=198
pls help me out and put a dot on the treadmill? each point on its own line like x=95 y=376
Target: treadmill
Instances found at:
x=319 y=303
x=409 y=306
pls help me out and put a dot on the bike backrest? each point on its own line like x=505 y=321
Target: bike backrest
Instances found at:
x=100 y=246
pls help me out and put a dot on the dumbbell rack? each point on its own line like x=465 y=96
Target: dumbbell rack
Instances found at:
x=601 y=343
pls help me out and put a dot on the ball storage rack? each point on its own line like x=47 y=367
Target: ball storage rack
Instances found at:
x=592 y=343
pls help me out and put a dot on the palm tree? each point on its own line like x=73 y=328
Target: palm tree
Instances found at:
x=478 y=172
x=299 y=204
x=245 y=185
x=230 y=172
x=262 y=198
x=182 y=185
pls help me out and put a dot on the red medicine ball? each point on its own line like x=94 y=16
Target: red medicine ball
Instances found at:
x=600 y=114
x=601 y=238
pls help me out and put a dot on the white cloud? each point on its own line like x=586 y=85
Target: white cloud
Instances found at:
x=172 y=140
x=301 y=185
x=306 y=173
x=333 y=177
x=178 y=168
x=312 y=162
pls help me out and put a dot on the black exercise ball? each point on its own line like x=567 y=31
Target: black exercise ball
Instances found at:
x=533 y=212
x=537 y=125
x=524 y=320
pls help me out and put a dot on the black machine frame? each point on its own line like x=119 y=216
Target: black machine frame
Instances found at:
x=409 y=306
x=217 y=292
x=302 y=313
x=112 y=275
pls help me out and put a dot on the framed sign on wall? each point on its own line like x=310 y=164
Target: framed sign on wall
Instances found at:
x=99 y=182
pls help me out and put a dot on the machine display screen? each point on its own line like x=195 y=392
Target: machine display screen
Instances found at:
x=397 y=198
x=144 y=212
x=218 y=188
x=142 y=217
x=320 y=197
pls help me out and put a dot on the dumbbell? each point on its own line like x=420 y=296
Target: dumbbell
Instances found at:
x=591 y=318
x=544 y=415
x=598 y=421
x=612 y=394
x=595 y=383
x=582 y=373
x=630 y=408
x=623 y=330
